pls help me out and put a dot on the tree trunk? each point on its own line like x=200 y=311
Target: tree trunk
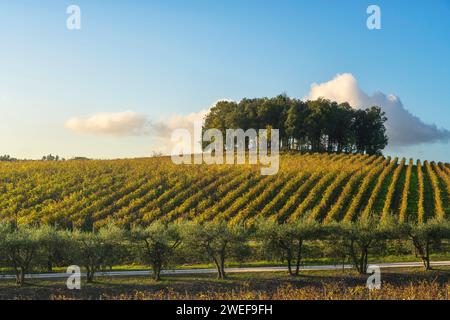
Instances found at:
x=356 y=261
x=285 y=143
x=289 y=265
x=157 y=273
x=17 y=276
x=49 y=265
x=90 y=274
x=219 y=270
x=426 y=263
x=363 y=261
x=366 y=260
x=289 y=259
x=222 y=267
x=426 y=257
x=299 y=258
x=422 y=251
x=20 y=277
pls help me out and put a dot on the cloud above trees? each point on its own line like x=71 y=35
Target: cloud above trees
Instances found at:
x=403 y=128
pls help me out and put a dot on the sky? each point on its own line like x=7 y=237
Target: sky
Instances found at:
x=138 y=69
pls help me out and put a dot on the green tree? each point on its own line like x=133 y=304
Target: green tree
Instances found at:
x=316 y=125
x=339 y=121
x=370 y=132
x=53 y=245
x=20 y=248
x=7 y=158
x=156 y=245
x=424 y=236
x=359 y=237
x=286 y=241
x=294 y=126
x=92 y=250
x=217 y=241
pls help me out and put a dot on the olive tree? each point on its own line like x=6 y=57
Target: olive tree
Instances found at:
x=156 y=244
x=54 y=244
x=21 y=249
x=217 y=240
x=95 y=249
x=424 y=235
x=286 y=241
x=358 y=237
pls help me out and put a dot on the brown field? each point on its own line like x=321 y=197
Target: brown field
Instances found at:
x=403 y=284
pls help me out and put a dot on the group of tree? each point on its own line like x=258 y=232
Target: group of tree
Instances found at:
x=51 y=157
x=7 y=158
x=159 y=245
x=315 y=125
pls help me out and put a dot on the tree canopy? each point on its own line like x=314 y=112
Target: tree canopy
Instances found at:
x=314 y=125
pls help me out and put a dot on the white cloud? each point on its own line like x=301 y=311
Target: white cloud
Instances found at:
x=127 y=123
x=403 y=128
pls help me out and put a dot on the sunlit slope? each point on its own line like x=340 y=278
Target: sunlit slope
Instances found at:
x=326 y=187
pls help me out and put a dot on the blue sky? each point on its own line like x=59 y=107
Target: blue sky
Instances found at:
x=165 y=58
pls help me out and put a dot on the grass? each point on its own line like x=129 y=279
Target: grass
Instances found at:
x=198 y=286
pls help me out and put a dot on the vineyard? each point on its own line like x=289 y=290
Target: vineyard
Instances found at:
x=324 y=187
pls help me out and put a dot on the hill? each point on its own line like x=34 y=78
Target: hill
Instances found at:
x=325 y=186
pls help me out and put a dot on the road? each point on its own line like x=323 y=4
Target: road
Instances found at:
x=228 y=270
